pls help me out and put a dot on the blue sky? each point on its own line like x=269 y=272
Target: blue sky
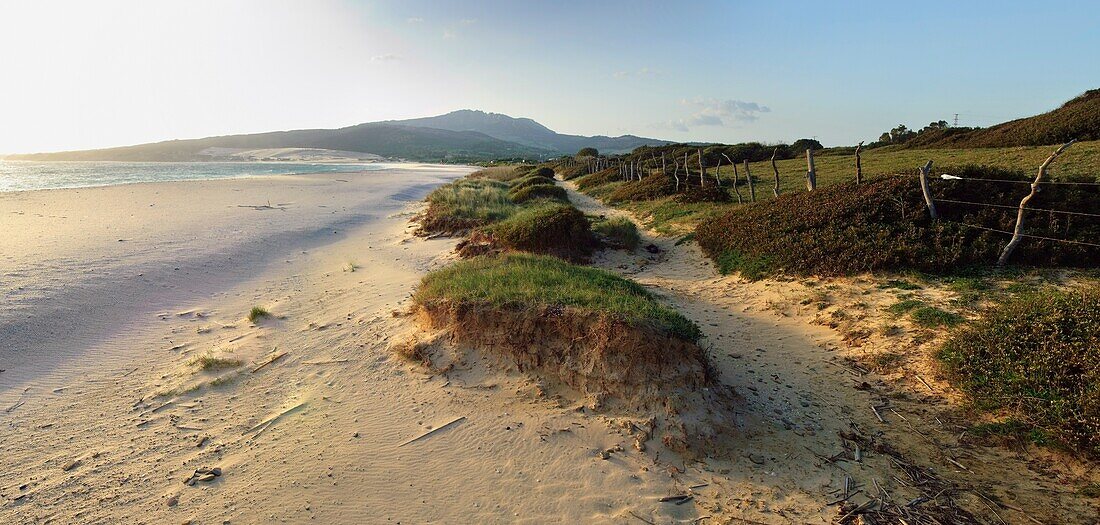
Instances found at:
x=119 y=72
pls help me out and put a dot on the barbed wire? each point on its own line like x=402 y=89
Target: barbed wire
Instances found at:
x=946 y=176
x=1094 y=245
x=1017 y=207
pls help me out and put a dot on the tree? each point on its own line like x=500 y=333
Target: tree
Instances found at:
x=588 y=152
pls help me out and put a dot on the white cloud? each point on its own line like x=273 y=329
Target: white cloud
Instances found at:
x=448 y=34
x=643 y=72
x=414 y=20
x=388 y=57
x=715 y=112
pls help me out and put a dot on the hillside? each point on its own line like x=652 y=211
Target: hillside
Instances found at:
x=387 y=140
x=459 y=136
x=528 y=132
x=1077 y=119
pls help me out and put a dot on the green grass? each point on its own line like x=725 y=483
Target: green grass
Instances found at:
x=550 y=228
x=902 y=307
x=1036 y=356
x=932 y=317
x=539 y=281
x=539 y=191
x=618 y=230
x=210 y=362
x=899 y=284
x=837 y=166
x=257 y=312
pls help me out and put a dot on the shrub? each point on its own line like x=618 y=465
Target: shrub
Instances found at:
x=544 y=171
x=539 y=191
x=555 y=229
x=651 y=187
x=570 y=172
x=599 y=178
x=883 y=225
x=932 y=317
x=519 y=279
x=708 y=193
x=1037 y=355
x=619 y=231
x=588 y=152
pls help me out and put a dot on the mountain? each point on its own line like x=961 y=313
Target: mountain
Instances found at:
x=528 y=132
x=460 y=136
x=1077 y=119
x=387 y=140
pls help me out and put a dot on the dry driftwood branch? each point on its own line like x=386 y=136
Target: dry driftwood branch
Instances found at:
x=274 y=358
x=433 y=431
x=1018 y=231
x=927 y=191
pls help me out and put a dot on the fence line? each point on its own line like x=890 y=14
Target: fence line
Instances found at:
x=1025 y=234
x=1017 y=207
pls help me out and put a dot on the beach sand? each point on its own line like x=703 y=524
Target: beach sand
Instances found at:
x=114 y=298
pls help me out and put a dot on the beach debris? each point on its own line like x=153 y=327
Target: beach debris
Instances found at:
x=173 y=500
x=678 y=499
x=71 y=465
x=434 y=430
x=273 y=358
x=203 y=475
x=264 y=425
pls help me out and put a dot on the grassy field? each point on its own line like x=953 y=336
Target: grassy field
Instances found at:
x=672 y=218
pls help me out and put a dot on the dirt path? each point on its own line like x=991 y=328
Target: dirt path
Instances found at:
x=806 y=404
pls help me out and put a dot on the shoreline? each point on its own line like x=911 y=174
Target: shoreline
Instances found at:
x=92 y=268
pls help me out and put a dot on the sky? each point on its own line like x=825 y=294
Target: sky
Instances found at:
x=99 y=73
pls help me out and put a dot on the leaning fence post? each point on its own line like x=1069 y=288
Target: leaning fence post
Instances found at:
x=811 y=174
x=735 y=190
x=748 y=177
x=927 y=191
x=1018 y=232
x=859 y=165
x=775 y=189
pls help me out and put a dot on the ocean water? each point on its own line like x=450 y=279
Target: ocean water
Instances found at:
x=16 y=175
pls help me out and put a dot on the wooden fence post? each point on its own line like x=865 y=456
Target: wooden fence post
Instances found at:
x=676 y=172
x=859 y=165
x=775 y=189
x=735 y=189
x=811 y=174
x=927 y=191
x=718 y=173
x=702 y=170
x=748 y=177
x=1018 y=232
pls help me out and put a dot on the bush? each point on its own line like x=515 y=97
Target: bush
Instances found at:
x=651 y=187
x=1037 y=355
x=545 y=171
x=883 y=225
x=708 y=193
x=539 y=191
x=570 y=172
x=517 y=279
x=619 y=231
x=556 y=229
x=599 y=178
x=588 y=152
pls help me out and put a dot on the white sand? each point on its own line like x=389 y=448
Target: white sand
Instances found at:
x=98 y=337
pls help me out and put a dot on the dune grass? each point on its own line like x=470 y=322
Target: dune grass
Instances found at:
x=548 y=228
x=619 y=231
x=539 y=281
x=209 y=362
x=257 y=313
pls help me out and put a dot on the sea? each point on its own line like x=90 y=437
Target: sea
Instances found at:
x=18 y=175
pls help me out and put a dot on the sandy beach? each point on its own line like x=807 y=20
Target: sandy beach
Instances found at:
x=113 y=295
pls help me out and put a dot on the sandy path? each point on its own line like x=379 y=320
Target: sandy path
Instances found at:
x=126 y=414
x=801 y=395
